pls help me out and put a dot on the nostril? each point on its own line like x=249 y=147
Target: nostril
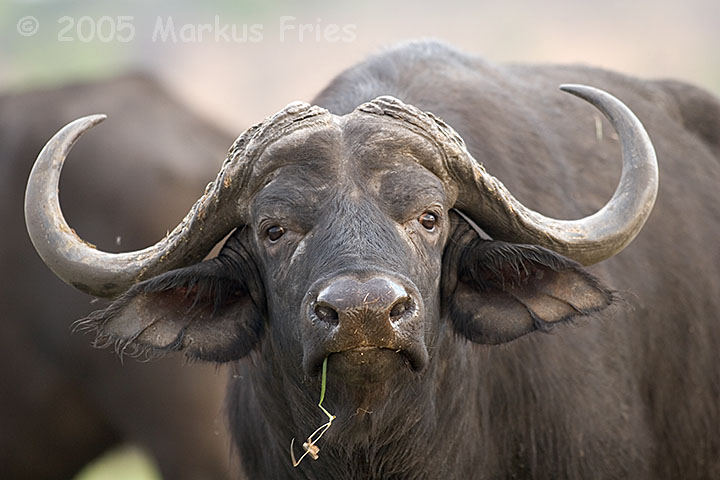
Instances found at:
x=326 y=314
x=400 y=308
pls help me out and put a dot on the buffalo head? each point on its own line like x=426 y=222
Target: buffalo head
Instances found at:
x=362 y=238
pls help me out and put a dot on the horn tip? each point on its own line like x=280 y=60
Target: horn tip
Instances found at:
x=83 y=124
x=576 y=88
x=590 y=94
x=95 y=118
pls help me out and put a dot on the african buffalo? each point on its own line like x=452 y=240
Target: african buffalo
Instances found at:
x=62 y=402
x=465 y=334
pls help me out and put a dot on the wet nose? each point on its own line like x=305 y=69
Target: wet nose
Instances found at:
x=348 y=299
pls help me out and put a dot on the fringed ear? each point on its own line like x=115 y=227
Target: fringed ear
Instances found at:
x=211 y=310
x=497 y=292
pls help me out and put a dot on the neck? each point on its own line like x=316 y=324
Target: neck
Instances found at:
x=413 y=425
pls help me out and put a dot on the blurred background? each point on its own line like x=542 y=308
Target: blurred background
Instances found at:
x=236 y=61
x=241 y=60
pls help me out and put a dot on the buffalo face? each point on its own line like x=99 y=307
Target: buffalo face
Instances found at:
x=350 y=229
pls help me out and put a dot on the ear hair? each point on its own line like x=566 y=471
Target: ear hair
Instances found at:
x=496 y=292
x=495 y=264
x=208 y=309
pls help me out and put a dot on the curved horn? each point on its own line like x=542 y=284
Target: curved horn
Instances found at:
x=81 y=264
x=591 y=239
x=489 y=203
x=221 y=208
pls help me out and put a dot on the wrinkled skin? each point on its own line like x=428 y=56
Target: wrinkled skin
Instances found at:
x=623 y=391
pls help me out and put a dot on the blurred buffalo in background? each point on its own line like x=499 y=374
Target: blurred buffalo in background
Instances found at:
x=63 y=402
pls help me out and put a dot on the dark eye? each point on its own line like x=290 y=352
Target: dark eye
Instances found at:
x=274 y=233
x=428 y=221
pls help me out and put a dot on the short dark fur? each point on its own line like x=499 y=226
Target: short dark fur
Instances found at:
x=629 y=395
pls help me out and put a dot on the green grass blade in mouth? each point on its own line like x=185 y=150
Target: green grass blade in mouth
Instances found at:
x=310 y=444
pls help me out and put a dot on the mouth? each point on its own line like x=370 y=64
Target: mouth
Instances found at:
x=367 y=364
x=370 y=364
